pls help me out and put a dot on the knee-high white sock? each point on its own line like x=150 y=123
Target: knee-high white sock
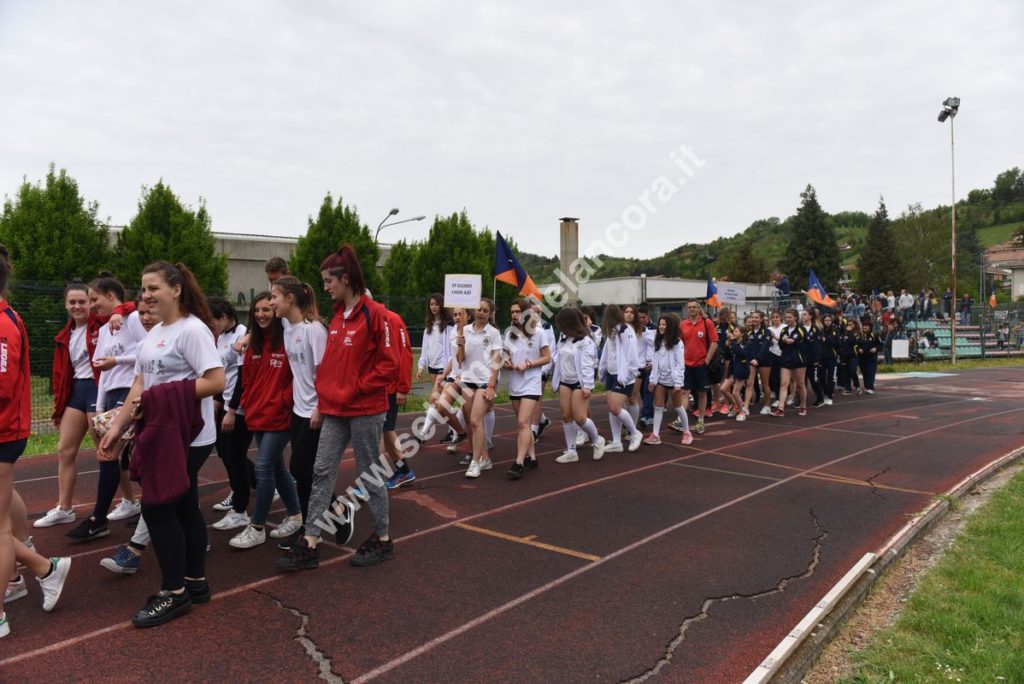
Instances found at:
x=570 y=435
x=461 y=417
x=432 y=418
x=684 y=420
x=634 y=412
x=591 y=430
x=616 y=426
x=489 y=425
x=627 y=421
x=659 y=413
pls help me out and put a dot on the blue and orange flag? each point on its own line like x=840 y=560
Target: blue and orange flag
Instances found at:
x=507 y=269
x=712 y=298
x=816 y=291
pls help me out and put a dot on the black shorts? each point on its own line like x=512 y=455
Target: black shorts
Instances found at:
x=696 y=378
x=434 y=371
x=83 y=396
x=534 y=397
x=792 y=364
x=570 y=385
x=391 y=418
x=612 y=385
x=474 y=385
x=116 y=397
x=11 y=451
x=716 y=373
x=667 y=388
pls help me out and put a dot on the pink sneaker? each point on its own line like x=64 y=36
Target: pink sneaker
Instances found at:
x=709 y=413
x=687 y=438
x=724 y=410
x=652 y=439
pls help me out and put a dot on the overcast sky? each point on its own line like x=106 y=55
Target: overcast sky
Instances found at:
x=518 y=112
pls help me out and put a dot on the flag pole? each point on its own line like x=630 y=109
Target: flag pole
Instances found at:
x=494 y=291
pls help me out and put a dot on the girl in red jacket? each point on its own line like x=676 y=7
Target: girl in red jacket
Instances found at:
x=74 y=395
x=265 y=394
x=358 y=365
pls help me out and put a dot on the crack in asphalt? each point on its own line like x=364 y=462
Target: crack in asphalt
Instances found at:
x=322 y=660
x=708 y=602
x=871 y=481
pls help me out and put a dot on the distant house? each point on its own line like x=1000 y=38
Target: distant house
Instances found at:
x=1007 y=257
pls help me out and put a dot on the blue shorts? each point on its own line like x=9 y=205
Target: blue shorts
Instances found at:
x=115 y=397
x=391 y=418
x=83 y=396
x=611 y=384
x=696 y=378
x=10 y=451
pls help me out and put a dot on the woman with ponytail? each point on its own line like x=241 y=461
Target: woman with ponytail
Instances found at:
x=305 y=338
x=358 y=365
x=114 y=356
x=180 y=348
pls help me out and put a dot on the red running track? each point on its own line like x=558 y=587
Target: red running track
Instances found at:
x=672 y=564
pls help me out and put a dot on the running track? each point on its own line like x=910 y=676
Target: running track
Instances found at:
x=670 y=564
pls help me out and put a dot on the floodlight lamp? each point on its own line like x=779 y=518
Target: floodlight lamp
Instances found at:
x=943 y=115
x=951 y=102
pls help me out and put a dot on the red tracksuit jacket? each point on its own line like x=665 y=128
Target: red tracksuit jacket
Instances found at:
x=358 y=363
x=15 y=378
x=267 y=389
x=402 y=382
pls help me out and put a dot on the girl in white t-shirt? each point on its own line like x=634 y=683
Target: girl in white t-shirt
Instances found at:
x=233 y=437
x=526 y=352
x=115 y=351
x=181 y=347
x=478 y=352
x=305 y=339
x=620 y=368
x=436 y=348
x=445 y=394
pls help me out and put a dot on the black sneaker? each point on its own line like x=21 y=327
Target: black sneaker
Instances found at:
x=447 y=439
x=198 y=591
x=516 y=471
x=162 y=608
x=87 y=530
x=531 y=464
x=300 y=557
x=373 y=551
x=818 y=404
x=542 y=427
x=466 y=460
x=288 y=542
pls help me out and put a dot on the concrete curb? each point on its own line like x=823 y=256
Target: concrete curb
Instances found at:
x=799 y=650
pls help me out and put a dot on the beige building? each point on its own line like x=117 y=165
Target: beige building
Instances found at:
x=247 y=255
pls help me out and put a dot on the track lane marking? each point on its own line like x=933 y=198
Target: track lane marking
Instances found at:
x=529 y=541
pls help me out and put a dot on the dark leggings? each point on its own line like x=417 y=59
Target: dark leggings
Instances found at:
x=848 y=373
x=240 y=468
x=814 y=377
x=868 y=366
x=179 y=530
x=106 y=488
x=305 y=442
x=828 y=377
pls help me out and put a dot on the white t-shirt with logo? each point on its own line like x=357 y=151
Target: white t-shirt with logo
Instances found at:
x=122 y=345
x=231 y=360
x=183 y=350
x=521 y=349
x=480 y=346
x=305 y=343
x=80 y=361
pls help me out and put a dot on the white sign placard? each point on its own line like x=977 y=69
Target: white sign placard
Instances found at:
x=731 y=294
x=462 y=290
x=901 y=349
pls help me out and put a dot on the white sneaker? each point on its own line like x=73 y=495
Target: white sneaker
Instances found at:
x=485 y=464
x=581 y=438
x=277 y=497
x=828 y=402
x=634 y=440
x=775 y=404
x=55 y=516
x=231 y=520
x=53 y=584
x=16 y=590
x=613 y=448
x=599 y=447
x=569 y=457
x=870 y=391
x=124 y=510
x=248 y=538
x=473 y=471
x=766 y=411
x=287 y=528
x=741 y=417
x=225 y=504
x=5 y=626
x=790 y=401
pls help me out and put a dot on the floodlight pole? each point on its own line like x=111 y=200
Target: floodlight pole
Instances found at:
x=954 y=309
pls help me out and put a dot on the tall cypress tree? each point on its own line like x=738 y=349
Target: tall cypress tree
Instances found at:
x=812 y=244
x=878 y=266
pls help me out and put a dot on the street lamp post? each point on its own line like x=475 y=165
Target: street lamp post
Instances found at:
x=383 y=224
x=950 y=107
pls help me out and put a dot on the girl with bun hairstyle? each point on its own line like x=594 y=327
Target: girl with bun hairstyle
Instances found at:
x=358 y=365
x=180 y=348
